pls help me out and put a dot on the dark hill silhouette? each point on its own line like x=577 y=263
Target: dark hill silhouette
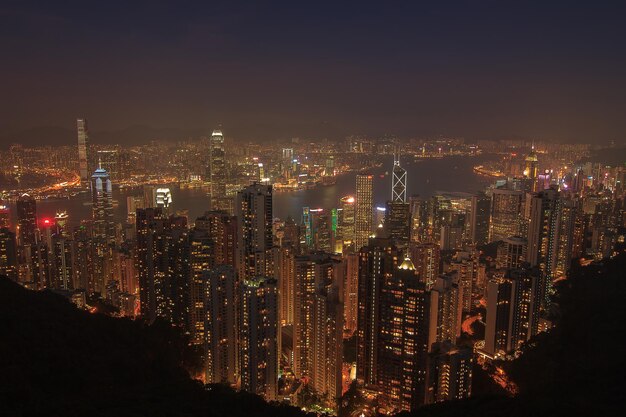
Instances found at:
x=56 y=360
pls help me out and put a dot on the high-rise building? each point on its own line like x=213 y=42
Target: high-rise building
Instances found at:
x=543 y=214
x=201 y=260
x=525 y=305
x=8 y=254
x=506 y=209
x=351 y=292
x=363 y=209
x=465 y=264
x=220 y=335
x=163 y=199
x=398 y=181
x=569 y=240
x=446 y=309
x=378 y=262
x=426 y=258
x=511 y=252
x=531 y=169
x=259 y=337
x=345 y=221
x=255 y=241
x=83 y=143
x=318 y=227
x=102 y=205
x=497 y=331
x=402 y=350
x=398 y=221
x=5 y=215
x=26 y=210
x=479 y=223
x=285 y=274
x=218 y=172
x=450 y=374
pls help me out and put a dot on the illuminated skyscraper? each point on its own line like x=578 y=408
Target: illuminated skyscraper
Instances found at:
x=163 y=199
x=531 y=169
x=497 y=331
x=351 y=292
x=5 y=215
x=479 y=219
x=506 y=209
x=8 y=254
x=398 y=221
x=466 y=266
x=218 y=172
x=363 y=213
x=102 y=204
x=398 y=181
x=220 y=325
x=345 y=221
x=83 y=143
x=450 y=372
x=255 y=241
x=511 y=252
x=284 y=272
x=426 y=257
x=446 y=309
x=402 y=350
x=259 y=337
x=26 y=210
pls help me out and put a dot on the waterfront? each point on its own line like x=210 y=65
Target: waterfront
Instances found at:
x=425 y=178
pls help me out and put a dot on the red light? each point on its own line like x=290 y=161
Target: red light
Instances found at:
x=46 y=221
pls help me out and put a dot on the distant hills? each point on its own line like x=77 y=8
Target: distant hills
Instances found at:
x=59 y=136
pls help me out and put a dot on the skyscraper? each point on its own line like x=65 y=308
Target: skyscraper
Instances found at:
x=398 y=181
x=450 y=372
x=446 y=309
x=5 y=215
x=255 y=241
x=26 y=210
x=218 y=172
x=398 y=221
x=220 y=325
x=506 y=209
x=259 y=337
x=364 y=205
x=102 y=205
x=345 y=221
x=83 y=143
x=479 y=219
x=497 y=332
x=511 y=252
x=163 y=199
x=8 y=254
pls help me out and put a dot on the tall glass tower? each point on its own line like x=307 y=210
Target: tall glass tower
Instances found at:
x=83 y=140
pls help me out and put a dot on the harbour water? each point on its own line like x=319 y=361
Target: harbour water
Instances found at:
x=425 y=178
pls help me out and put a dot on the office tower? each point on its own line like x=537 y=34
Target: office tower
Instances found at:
x=450 y=372
x=149 y=196
x=377 y=262
x=497 y=332
x=479 y=223
x=398 y=221
x=569 y=238
x=163 y=199
x=83 y=143
x=8 y=254
x=363 y=209
x=506 y=209
x=220 y=325
x=102 y=205
x=5 y=215
x=259 y=337
x=426 y=258
x=403 y=338
x=63 y=261
x=543 y=216
x=163 y=255
x=26 y=210
x=201 y=260
x=466 y=266
x=132 y=204
x=222 y=228
x=284 y=272
x=218 y=172
x=287 y=154
x=446 y=309
x=83 y=257
x=60 y=221
x=109 y=160
x=318 y=229
x=531 y=169
x=525 y=304
x=398 y=181
x=379 y=218
x=351 y=292
x=254 y=217
x=345 y=221
x=419 y=219
x=511 y=252
x=327 y=346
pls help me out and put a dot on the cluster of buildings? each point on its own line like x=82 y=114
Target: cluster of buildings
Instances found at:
x=270 y=303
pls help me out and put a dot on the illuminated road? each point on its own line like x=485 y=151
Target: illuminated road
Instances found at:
x=466 y=326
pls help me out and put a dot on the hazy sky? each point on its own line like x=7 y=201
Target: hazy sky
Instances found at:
x=482 y=68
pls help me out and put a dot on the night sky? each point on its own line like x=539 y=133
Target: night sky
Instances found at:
x=478 y=69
